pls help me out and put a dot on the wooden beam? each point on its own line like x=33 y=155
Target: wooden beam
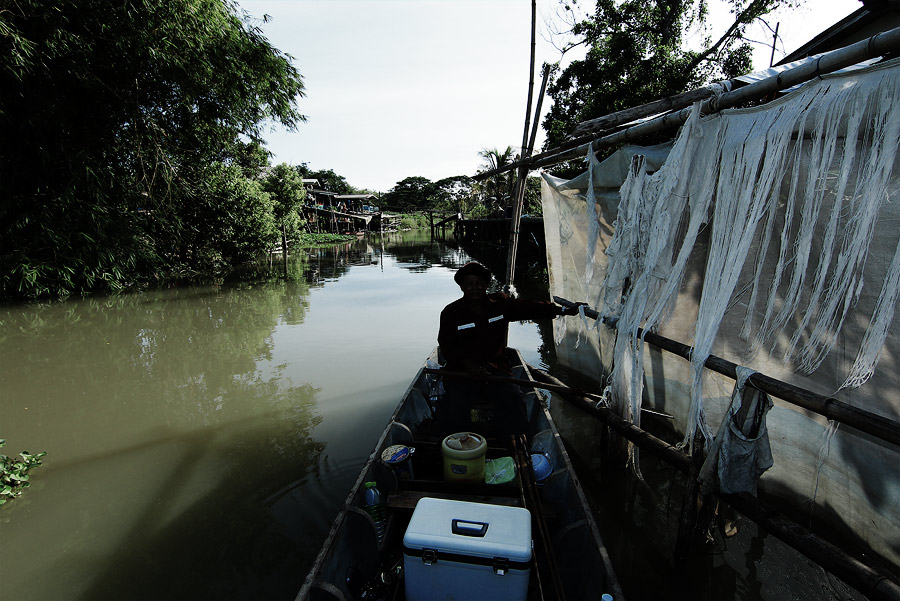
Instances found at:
x=664 y=105
x=878 y=45
x=869 y=581
x=865 y=421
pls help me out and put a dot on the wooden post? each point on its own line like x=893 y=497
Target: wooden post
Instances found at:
x=774 y=42
x=284 y=246
x=689 y=504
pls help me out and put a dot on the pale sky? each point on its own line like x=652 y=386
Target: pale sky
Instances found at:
x=401 y=88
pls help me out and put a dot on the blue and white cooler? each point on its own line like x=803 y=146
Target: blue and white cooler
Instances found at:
x=460 y=550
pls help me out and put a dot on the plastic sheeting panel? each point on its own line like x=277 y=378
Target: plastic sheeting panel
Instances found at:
x=767 y=236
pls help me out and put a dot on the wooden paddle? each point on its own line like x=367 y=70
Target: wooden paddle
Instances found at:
x=532 y=384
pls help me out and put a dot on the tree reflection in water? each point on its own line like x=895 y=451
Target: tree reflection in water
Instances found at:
x=201 y=439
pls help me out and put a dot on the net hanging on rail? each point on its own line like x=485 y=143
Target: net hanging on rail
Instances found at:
x=769 y=236
x=784 y=200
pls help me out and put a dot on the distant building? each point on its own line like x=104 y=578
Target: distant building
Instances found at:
x=358 y=203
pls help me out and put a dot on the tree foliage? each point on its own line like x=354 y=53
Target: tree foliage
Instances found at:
x=497 y=190
x=328 y=179
x=125 y=132
x=285 y=188
x=410 y=194
x=637 y=52
x=453 y=194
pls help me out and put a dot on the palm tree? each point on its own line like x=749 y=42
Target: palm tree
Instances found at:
x=498 y=187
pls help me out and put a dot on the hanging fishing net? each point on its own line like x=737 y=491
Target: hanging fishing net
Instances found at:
x=767 y=236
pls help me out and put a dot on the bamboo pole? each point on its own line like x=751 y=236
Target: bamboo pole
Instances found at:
x=865 y=421
x=522 y=184
x=774 y=43
x=530 y=75
x=545 y=74
x=588 y=402
x=514 y=222
x=867 y=580
x=533 y=503
x=523 y=173
x=878 y=45
x=588 y=129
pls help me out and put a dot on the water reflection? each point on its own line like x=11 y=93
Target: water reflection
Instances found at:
x=167 y=448
x=200 y=440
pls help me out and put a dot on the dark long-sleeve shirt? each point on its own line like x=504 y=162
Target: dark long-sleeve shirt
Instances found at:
x=481 y=336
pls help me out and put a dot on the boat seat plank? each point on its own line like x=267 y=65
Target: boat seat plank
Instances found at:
x=407 y=499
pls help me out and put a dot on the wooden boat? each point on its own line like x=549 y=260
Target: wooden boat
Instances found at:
x=569 y=558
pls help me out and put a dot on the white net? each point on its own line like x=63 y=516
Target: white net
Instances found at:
x=767 y=236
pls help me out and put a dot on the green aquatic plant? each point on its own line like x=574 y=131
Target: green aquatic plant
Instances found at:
x=14 y=473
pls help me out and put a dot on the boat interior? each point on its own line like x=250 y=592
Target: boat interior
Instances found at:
x=568 y=556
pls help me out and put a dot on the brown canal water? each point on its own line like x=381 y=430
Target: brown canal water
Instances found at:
x=201 y=439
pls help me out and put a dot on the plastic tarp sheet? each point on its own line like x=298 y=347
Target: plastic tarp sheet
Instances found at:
x=770 y=237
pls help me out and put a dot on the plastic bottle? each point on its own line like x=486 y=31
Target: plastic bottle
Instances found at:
x=375 y=508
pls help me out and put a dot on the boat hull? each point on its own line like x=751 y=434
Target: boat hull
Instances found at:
x=570 y=558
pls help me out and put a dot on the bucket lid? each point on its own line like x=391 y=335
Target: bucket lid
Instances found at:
x=395 y=453
x=464 y=441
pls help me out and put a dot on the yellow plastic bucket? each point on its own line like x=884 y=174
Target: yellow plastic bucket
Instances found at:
x=464 y=457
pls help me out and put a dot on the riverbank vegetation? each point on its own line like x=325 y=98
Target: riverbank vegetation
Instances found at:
x=132 y=150
x=488 y=197
x=14 y=473
x=131 y=144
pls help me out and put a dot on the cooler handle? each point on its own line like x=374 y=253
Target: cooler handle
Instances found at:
x=466 y=528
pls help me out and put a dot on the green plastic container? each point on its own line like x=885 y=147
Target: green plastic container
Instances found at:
x=501 y=470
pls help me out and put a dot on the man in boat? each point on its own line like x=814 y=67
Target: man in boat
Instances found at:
x=473 y=337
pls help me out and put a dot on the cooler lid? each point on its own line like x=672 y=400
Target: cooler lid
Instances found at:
x=472 y=529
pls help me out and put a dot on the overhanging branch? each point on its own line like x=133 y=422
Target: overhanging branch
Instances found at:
x=878 y=45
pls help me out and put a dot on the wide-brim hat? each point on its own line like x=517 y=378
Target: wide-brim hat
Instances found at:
x=472 y=268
